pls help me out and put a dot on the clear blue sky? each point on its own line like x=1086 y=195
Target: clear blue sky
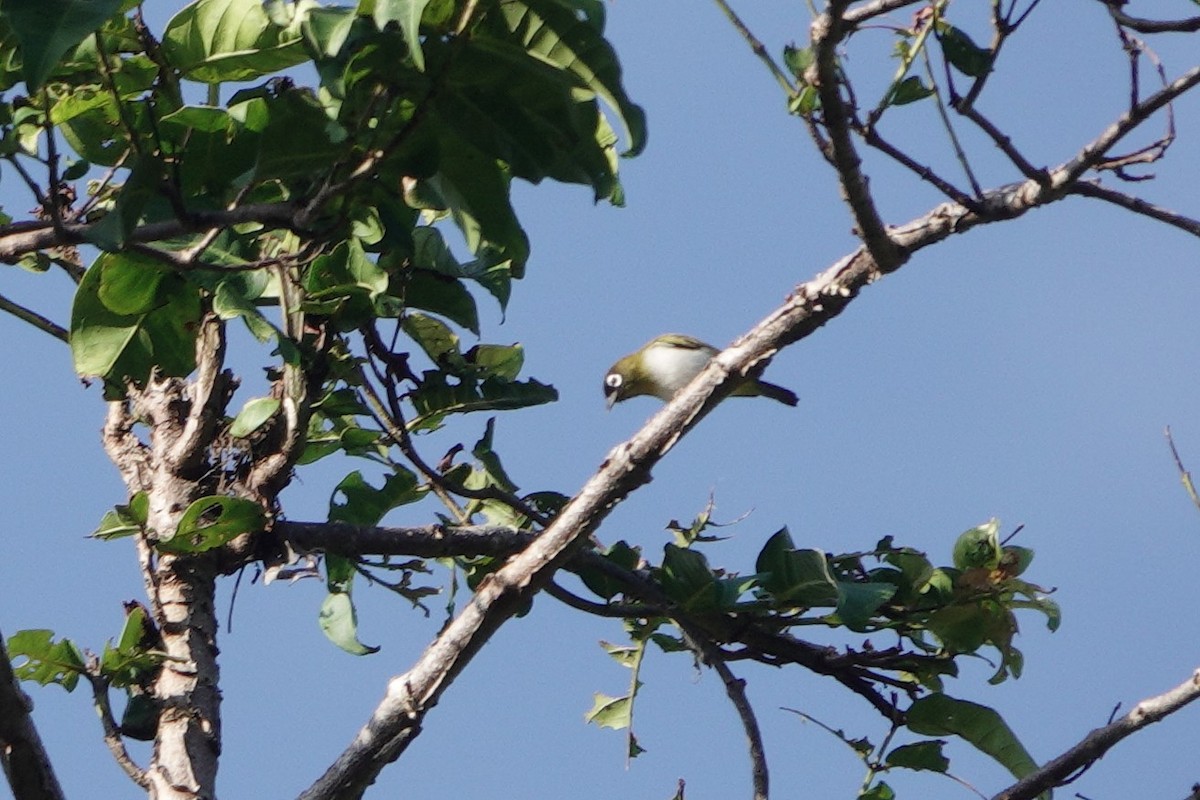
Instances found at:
x=1024 y=371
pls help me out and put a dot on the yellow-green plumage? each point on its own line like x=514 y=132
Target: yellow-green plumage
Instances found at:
x=666 y=364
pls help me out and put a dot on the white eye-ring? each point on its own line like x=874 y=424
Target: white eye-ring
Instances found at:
x=612 y=380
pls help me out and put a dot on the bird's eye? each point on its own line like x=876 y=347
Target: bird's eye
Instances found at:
x=612 y=380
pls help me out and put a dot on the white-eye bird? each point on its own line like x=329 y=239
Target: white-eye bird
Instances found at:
x=666 y=364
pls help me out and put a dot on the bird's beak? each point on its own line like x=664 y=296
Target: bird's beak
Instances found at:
x=610 y=401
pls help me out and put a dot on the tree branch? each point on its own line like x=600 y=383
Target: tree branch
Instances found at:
x=19 y=239
x=1093 y=746
x=1186 y=25
x=33 y=318
x=735 y=688
x=876 y=8
x=112 y=732
x=397 y=718
x=828 y=31
x=24 y=759
x=1138 y=206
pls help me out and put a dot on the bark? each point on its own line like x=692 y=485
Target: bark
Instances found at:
x=24 y=760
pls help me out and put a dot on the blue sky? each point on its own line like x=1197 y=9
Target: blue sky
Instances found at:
x=1023 y=371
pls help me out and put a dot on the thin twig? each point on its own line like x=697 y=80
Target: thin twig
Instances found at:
x=735 y=688
x=35 y=319
x=1002 y=141
x=112 y=732
x=1141 y=25
x=1184 y=476
x=1138 y=206
x=959 y=153
x=758 y=48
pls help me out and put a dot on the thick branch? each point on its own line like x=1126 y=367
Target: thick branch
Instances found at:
x=1101 y=740
x=17 y=240
x=25 y=761
x=426 y=541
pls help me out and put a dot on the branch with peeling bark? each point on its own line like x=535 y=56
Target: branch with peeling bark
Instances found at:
x=1093 y=746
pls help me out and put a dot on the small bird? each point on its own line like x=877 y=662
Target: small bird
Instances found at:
x=666 y=364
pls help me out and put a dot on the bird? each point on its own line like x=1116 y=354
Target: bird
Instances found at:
x=667 y=363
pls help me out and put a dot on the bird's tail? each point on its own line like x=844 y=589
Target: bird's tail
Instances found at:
x=771 y=390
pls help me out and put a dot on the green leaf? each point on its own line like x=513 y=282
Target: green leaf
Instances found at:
x=880 y=791
x=213 y=41
x=124 y=520
x=909 y=90
x=37 y=657
x=476 y=186
x=213 y=521
x=622 y=555
x=795 y=577
x=979 y=547
x=431 y=253
x=339 y=622
x=406 y=13
x=610 y=712
x=366 y=505
x=215 y=147
x=434 y=399
x=496 y=360
x=555 y=32
x=299 y=139
x=963 y=54
x=858 y=602
x=140 y=189
x=919 y=756
x=130 y=285
x=116 y=346
x=231 y=300
x=253 y=415
x=46 y=29
x=688 y=579
x=941 y=715
x=1016 y=560
x=442 y=295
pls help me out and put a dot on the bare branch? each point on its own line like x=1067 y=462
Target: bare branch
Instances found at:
x=1137 y=205
x=24 y=759
x=1002 y=141
x=1101 y=740
x=1186 y=25
x=828 y=30
x=757 y=47
x=33 y=318
x=1095 y=152
x=426 y=541
x=735 y=688
x=876 y=8
x=112 y=732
